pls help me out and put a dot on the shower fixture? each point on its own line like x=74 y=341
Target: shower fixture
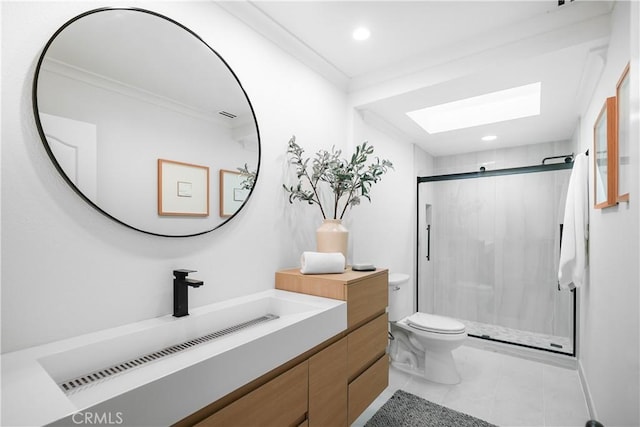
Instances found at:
x=568 y=158
x=472 y=250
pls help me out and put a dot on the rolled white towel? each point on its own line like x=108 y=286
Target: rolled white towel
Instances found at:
x=322 y=262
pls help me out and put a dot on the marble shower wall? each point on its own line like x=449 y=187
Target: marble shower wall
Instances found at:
x=495 y=242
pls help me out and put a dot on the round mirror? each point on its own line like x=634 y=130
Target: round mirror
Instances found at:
x=146 y=122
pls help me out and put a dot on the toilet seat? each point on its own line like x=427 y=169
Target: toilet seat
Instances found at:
x=435 y=324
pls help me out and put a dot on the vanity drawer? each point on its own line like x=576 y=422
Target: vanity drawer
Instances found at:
x=366 y=298
x=366 y=344
x=328 y=386
x=280 y=402
x=364 y=389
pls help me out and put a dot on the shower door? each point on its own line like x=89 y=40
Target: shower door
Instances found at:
x=488 y=251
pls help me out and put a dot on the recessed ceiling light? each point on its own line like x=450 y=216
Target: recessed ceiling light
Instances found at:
x=509 y=104
x=489 y=138
x=361 y=33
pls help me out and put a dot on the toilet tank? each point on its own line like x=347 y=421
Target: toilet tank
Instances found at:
x=400 y=301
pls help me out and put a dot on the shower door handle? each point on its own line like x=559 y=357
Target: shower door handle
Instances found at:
x=428 y=242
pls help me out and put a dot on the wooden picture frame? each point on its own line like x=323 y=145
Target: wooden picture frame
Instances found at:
x=232 y=193
x=605 y=156
x=183 y=189
x=623 y=117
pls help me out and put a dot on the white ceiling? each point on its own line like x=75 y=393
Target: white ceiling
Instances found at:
x=140 y=55
x=423 y=53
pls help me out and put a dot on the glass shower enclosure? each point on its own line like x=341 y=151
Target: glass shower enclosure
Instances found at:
x=488 y=251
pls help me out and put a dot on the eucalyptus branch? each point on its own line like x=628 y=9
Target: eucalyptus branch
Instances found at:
x=248 y=177
x=297 y=193
x=352 y=178
x=364 y=181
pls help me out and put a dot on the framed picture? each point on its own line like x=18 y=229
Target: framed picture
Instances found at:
x=605 y=156
x=232 y=192
x=183 y=189
x=623 y=117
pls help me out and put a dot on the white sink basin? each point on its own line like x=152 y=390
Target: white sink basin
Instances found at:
x=182 y=381
x=168 y=331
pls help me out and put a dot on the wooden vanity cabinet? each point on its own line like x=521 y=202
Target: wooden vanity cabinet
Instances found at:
x=365 y=345
x=280 y=402
x=366 y=294
x=329 y=385
x=308 y=391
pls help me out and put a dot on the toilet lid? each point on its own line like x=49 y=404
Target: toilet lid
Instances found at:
x=433 y=323
x=397 y=279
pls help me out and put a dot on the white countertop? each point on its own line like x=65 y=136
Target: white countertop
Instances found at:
x=166 y=390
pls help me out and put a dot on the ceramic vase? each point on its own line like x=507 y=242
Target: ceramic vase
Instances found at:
x=332 y=236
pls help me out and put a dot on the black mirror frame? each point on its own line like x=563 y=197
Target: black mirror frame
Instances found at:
x=59 y=167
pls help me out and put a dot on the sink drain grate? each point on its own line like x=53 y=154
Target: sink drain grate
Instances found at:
x=77 y=383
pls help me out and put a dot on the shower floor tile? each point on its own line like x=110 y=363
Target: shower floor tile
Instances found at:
x=531 y=339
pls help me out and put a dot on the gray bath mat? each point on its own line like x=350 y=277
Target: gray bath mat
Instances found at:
x=407 y=410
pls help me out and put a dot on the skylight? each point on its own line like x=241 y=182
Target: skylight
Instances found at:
x=509 y=104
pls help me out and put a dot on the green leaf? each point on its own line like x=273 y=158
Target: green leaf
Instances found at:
x=348 y=179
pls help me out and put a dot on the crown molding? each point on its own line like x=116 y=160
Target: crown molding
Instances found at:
x=105 y=83
x=255 y=18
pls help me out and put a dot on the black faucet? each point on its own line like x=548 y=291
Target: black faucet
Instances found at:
x=180 y=295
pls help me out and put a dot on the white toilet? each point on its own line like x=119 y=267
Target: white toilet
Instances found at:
x=422 y=343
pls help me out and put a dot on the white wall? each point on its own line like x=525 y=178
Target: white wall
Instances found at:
x=382 y=231
x=132 y=134
x=609 y=355
x=67 y=269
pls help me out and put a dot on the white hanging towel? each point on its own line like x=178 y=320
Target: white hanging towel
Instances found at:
x=575 y=233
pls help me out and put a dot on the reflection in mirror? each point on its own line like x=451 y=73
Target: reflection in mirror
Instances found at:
x=118 y=89
x=233 y=191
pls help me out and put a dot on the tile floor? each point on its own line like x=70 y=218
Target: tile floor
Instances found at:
x=502 y=389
